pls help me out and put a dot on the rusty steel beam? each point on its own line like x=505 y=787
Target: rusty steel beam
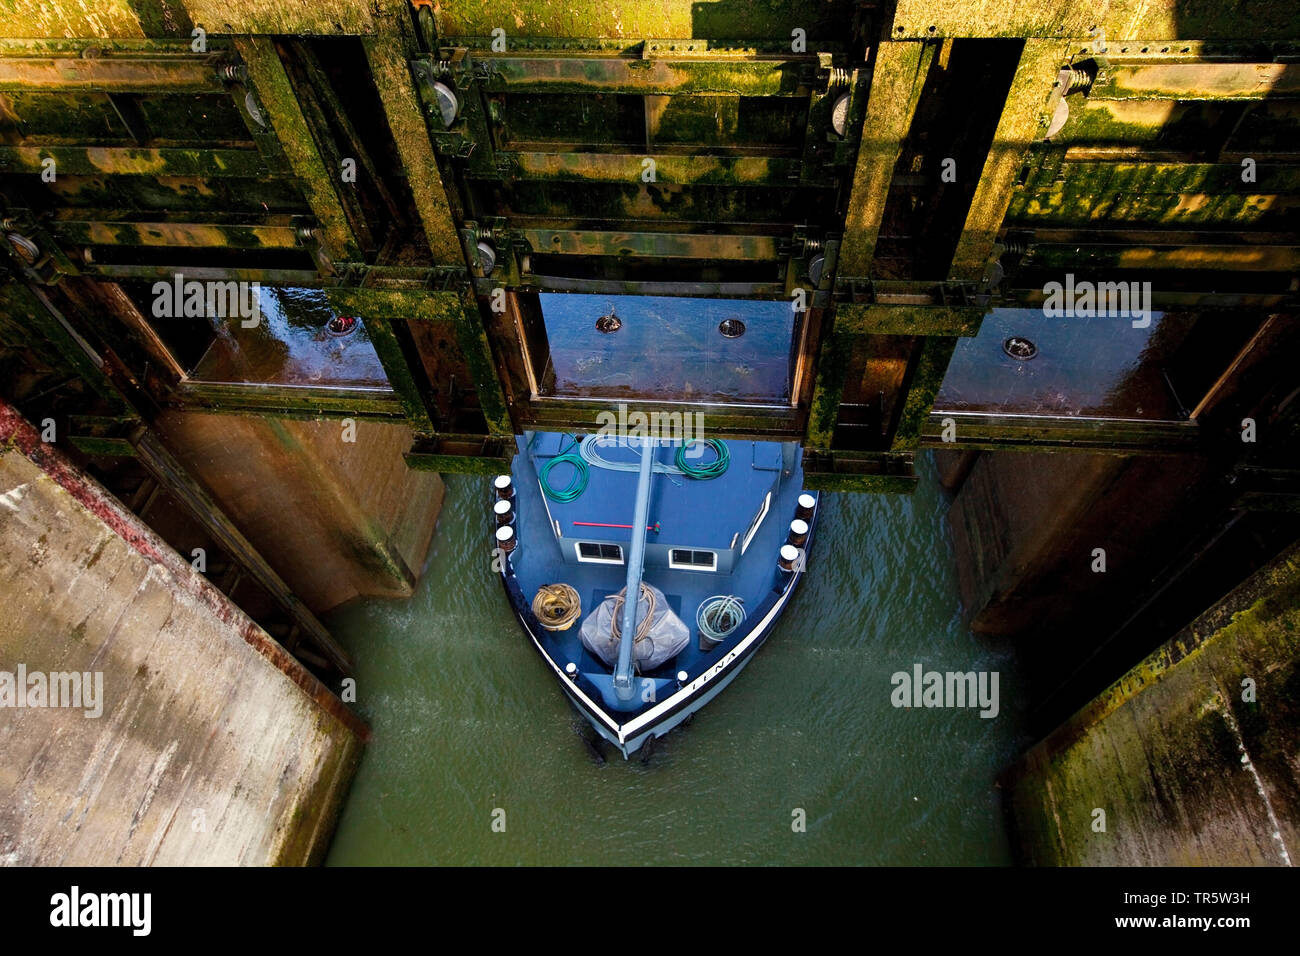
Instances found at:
x=124 y=271
x=929 y=19
x=828 y=388
x=392 y=75
x=135 y=161
x=174 y=234
x=1009 y=432
x=628 y=167
x=907 y=319
x=1115 y=20
x=665 y=245
x=927 y=369
x=1240 y=257
x=729 y=421
x=107 y=74
x=402 y=304
x=1086 y=236
x=758 y=76
x=1186 y=300
x=319 y=183
x=672 y=20
x=289 y=401
x=314 y=18
x=703 y=289
x=1197 y=81
x=485 y=366
x=897 y=76
x=44 y=18
x=1022 y=123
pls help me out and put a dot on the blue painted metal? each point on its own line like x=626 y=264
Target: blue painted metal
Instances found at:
x=713 y=515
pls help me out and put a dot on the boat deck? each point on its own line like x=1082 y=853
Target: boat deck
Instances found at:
x=729 y=501
x=690 y=512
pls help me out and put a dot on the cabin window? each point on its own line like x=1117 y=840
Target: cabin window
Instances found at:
x=687 y=560
x=599 y=552
x=758 y=520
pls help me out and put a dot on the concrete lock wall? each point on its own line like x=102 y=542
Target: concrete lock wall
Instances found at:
x=213 y=746
x=1191 y=757
x=336 y=519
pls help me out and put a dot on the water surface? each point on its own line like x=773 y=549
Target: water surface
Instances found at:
x=467 y=721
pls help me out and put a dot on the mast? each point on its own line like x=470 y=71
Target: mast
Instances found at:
x=635 y=561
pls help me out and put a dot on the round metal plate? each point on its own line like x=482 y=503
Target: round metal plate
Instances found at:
x=448 y=105
x=1059 y=116
x=840 y=114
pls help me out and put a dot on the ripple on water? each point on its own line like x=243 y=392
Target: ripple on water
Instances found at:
x=467 y=720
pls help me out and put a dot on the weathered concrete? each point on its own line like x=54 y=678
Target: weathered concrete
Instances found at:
x=214 y=746
x=1189 y=767
x=336 y=519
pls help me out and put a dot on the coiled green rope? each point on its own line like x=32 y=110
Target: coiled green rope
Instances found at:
x=713 y=469
x=577 y=482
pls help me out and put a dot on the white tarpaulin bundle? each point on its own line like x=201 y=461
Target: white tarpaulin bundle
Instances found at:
x=664 y=639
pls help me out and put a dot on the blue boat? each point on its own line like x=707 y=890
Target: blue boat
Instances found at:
x=711 y=535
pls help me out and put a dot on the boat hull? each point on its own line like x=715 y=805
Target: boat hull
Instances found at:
x=631 y=735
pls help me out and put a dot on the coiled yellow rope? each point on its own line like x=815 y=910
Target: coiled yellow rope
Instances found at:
x=556 y=606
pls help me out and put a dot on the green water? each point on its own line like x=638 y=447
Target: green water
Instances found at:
x=467 y=721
